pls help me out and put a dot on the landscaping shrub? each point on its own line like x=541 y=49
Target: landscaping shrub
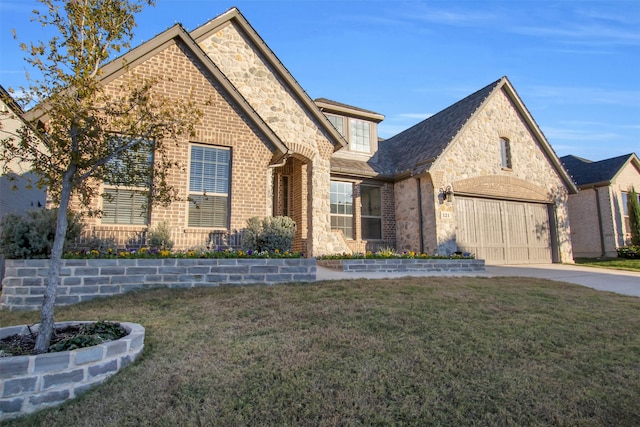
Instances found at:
x=159 y=238
x=629 y=252
x=31 y=235
x=271 y=234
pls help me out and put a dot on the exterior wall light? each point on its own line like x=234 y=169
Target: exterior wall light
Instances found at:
x=446 y=194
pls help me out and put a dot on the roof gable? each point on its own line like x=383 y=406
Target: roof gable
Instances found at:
x=282 y=75
x=586 y=172
x=416 y=149
x=424 y=142
x=178 y=35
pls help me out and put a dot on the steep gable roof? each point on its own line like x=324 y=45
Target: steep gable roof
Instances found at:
x=234 y=16
x=586 y=172
x=417 y=148
x=177 y=34
x=422 y=143
x=11 y=103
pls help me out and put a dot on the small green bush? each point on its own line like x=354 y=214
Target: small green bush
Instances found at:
x=271 y=234
x=632 y=252
x=31 y=235
x=89 y=335
x=159 y=238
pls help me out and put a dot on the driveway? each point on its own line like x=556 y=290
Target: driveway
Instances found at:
x=618 y=281
x=621 y=282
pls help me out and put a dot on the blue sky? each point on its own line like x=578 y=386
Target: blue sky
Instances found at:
x=575 y=64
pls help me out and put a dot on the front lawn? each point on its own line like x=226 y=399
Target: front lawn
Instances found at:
x=613 y=263
x=413 y=351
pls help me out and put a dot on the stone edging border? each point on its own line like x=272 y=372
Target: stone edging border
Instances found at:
x=401 y=265
x=85 y=279
x=31 y=383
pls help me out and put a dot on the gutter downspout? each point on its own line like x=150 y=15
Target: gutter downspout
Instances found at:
x=599 y=209
x=281 y=161
x=420 y=217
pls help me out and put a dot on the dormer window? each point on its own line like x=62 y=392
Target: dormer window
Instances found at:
x=505 y=153
x=357 y=126
x=337 y=122
x=360 y=135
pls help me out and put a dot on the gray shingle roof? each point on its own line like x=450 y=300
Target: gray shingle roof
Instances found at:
x=424 y=142
x=585 y=172
x=340 y=104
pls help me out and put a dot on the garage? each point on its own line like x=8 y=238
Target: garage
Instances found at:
x=502 y=231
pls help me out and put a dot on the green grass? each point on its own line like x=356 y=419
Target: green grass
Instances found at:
x=613 y=263
x=414 y=351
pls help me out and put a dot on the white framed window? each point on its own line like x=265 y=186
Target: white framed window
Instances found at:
x=625 y=211
x=505 y=153
x=209 y=172
x=126 y=185
x=342 y=207
x=360 y=135
x=371 y=212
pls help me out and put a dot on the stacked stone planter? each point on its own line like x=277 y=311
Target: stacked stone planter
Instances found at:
x=84 y=279
x=405 y=265
x=31 y=383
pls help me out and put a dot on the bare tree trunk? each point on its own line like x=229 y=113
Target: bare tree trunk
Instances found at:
x=47 y=321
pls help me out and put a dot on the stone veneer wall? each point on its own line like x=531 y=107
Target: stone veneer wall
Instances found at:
x=85 y=279
x=250 y=72
x=475 y=152
x=31 y=383
x=402 y=265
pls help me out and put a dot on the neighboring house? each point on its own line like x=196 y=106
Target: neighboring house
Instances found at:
x=18 y=192
x=598 y=212
x=477 y=177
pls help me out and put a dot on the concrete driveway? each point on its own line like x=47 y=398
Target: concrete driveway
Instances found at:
x=621 y=282
x=618 y=281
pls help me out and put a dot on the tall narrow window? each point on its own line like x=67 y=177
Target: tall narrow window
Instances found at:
x=342 y=207
x=625 y=211
x=371 y=214
x=209 y=186
x=128 y=177
x=360 y=135
x=505 y=153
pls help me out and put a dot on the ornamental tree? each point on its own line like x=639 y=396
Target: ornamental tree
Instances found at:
x=79 y=134
x=633 y=207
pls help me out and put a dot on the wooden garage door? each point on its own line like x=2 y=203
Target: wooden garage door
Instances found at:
x=503 y=232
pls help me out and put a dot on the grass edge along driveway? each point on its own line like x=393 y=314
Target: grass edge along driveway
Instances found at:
x=411 y=351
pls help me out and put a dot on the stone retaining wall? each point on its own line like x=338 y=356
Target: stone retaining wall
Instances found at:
x=404 y=265
x=84 y=279
x=31 y=383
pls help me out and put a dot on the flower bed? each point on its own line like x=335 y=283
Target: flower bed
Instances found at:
x=401 y=265
x=389 y=261
x=31 y=383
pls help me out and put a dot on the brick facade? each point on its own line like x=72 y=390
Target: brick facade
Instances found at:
x=598 y=225
x=221 y=126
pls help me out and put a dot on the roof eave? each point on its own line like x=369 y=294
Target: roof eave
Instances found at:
x=506 y=86
x=633 y=159
x=234 y=15
x=118 y=66
x=351 y=112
